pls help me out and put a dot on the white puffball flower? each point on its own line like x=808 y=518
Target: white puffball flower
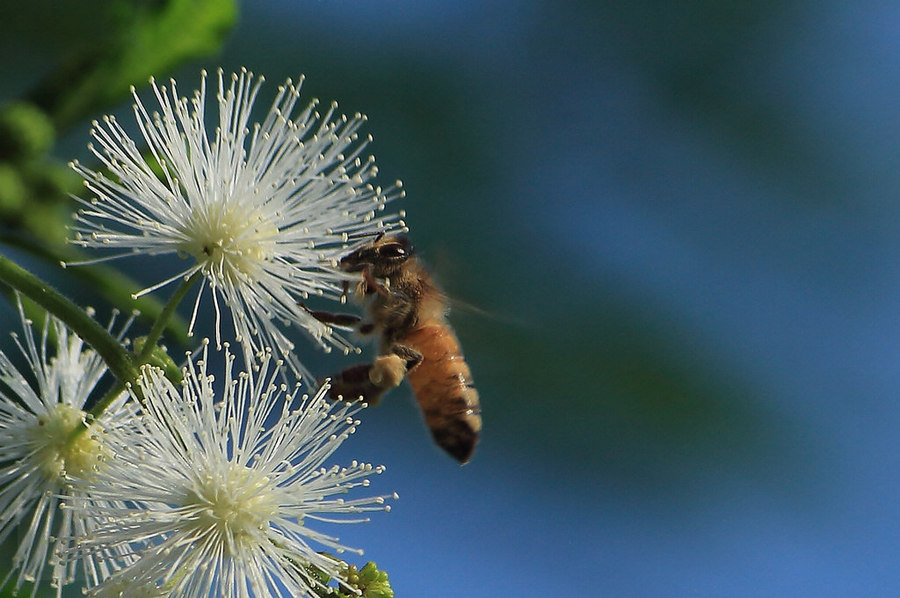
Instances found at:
x=225 y=497
x=40 y=408
x=264 y=211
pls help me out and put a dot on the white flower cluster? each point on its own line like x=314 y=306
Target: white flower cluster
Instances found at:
x=220 y=492
x=206 y=488
x=263 y=211
x=39 y=413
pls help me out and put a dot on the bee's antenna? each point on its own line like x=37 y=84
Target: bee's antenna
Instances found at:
x=378 y=236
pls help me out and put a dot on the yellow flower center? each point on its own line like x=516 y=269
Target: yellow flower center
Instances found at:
x=56 y=451
x=235 y=504
x=230 y=240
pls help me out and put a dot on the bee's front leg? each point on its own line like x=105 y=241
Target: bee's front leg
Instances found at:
x=336 y=319
x=372 y=285
x=341 y=320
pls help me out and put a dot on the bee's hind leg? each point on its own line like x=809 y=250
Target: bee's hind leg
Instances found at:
x=369 y=381
x=410 y=356
x=354 y=384
x=389 y=369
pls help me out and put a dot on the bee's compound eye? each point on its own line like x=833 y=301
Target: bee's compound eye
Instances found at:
x=394 y=251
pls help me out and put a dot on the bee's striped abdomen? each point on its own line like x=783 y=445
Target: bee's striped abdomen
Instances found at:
x=443 y=386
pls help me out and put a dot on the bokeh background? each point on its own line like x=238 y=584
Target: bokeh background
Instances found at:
x=677 y=225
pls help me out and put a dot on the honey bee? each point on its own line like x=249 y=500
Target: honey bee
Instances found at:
x=408 y=313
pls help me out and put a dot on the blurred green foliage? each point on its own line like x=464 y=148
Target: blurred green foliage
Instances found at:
x=142 y=38
x=130 y=41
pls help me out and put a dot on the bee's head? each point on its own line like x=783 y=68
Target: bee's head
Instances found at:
x=386 y=254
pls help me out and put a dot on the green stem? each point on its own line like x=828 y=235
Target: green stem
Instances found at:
x=103 y=404
x=164 y=316
x=149 y=344
x=107 y=346
x=115 y=286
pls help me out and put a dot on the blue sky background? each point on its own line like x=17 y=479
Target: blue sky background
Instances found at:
x=682 y=223
x=684 y=218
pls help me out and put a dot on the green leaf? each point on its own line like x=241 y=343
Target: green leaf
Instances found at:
x=25 y=132
x=148 y=39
